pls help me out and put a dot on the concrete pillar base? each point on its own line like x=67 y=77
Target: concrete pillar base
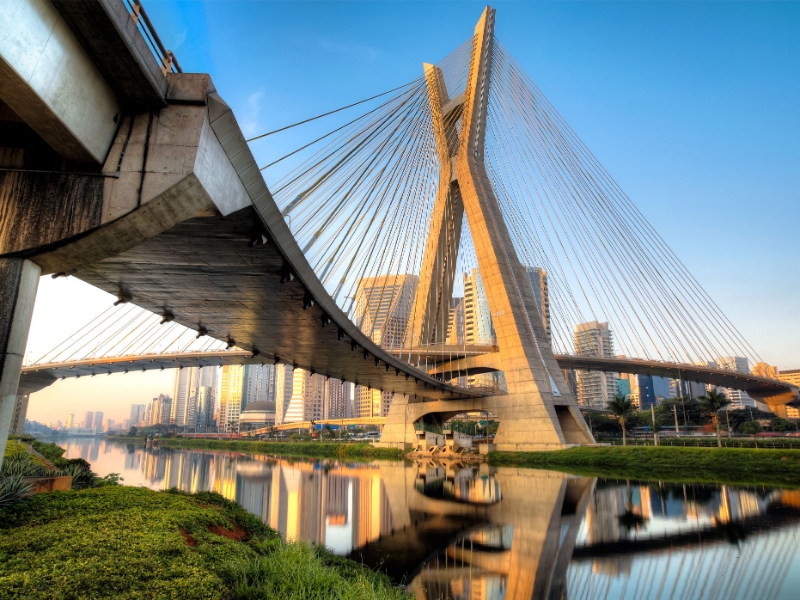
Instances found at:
x=19 y=280
x=526 y=424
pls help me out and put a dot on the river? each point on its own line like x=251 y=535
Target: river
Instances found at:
x=469 y=532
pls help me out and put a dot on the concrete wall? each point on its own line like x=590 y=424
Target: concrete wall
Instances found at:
x=47 y=78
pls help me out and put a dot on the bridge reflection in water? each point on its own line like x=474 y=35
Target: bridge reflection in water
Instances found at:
x=474 y=532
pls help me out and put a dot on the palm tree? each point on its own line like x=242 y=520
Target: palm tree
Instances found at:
x=621 y=407
x=711 y=404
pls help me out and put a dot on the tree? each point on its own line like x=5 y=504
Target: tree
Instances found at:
x=133 y=432
x=622 y=408
x=273 y=432
x=711 y=404
x=750 y=427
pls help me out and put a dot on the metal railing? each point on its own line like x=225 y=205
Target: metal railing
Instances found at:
x=169 y=63
x=421 y=426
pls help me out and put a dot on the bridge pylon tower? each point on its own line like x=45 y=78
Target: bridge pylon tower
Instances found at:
x=539 y=411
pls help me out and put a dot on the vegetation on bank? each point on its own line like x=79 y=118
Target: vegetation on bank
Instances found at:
x=310 y=449
x=126 y=542
x=27 y=458
x=719 y=465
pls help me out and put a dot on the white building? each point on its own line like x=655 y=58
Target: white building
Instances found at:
x=383 y=308
x=595 y=389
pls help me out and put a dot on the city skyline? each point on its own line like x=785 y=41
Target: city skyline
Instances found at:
x=676 y=182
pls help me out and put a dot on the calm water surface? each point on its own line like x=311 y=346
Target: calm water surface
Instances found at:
x=475 y=532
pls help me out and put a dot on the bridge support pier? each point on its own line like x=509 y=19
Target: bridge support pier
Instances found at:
x=523 y=426
x=19 y=280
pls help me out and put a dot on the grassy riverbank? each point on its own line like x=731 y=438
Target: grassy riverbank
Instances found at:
x=719 y=465
x=310 y=449
x=125 y=542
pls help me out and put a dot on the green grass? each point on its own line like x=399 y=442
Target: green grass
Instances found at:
x=718 y=465
x=310 y=449
x=125 y=543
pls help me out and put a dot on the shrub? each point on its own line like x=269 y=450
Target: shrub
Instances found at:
x=13 y=489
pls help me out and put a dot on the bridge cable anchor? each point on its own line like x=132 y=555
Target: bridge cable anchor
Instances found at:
x=308 y=300
x=123 y=297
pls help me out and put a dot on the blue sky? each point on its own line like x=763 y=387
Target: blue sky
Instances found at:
x=692 y=107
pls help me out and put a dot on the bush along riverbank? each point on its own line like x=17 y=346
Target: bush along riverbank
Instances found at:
x=124 y=542
x=26 y=458
x=718 y=465
x=310 y=449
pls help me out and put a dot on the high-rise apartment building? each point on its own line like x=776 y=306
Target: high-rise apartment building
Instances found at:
x=337 y=402
x=309 y=396
x=283 y=391
x=538 y=281
x=595 y=389
x=160 y=410
x=456 y=322
x=478 y=330
x=231 y=397
x=88 y=420
x=383 y=308
x=98 y=421
x=70 y=420
x=188 y=382
x=138 y=412
x=372 y=402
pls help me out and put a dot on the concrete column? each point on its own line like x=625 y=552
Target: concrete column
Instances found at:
x=19 y=279
x=20 y=412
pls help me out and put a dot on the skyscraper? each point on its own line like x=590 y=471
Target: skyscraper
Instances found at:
x=88 y=420
x=137 y=414
x=595 y=389
x=538 y=280
x=70 y=420
x=456 y=322
x=478 y=330
x=98 y=421
x=739 y=399
x=231 y=395
x=372 y=402
x=259 y=383
x=307 y=401
x=383 y=307
x=204 y=414
x=283 y=391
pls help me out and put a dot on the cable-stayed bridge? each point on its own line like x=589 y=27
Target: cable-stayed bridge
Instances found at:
x=454 y=237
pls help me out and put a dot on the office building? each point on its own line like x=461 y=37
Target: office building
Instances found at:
x=160 y=410
x=644 y=391
x=231 y=397
x=204 y=412
x=762 y=369
x=337 y=401
x=259 y=383
x=70 y=421
x=595 y=389
x=110 y=425
x=478 y=330
x=88 y=420
x=383 y=308
x=138 y=412
x=98 y=421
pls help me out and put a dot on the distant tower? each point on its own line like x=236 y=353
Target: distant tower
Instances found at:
x=88 y=420
x=383 y=308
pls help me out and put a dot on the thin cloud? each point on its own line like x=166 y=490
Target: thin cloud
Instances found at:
x=360 y=52
x=249 y=119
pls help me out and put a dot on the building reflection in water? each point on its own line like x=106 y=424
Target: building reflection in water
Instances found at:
x=469 y=532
